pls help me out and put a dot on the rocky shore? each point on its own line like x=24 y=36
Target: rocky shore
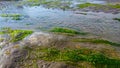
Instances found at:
x=59 y=34
x=15 y=55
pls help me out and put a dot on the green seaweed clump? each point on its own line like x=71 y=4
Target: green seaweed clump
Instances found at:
x=116 y=6
x=96 y=41
x=16 y=35
x=118 y=19
x=85 y=5
x=66 y=31
x=13 y=16
x=73 y=56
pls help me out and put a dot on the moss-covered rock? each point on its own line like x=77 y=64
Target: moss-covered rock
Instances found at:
x=16 y=35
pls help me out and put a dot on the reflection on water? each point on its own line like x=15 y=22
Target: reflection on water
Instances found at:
x=98 y=2
x=41 y=12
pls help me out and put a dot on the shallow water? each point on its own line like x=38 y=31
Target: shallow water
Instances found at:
x=39 y=18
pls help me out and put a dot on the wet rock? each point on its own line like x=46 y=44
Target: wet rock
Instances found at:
x=12 y=53
x=37 y=38
x=45 y=39
x=44 y=64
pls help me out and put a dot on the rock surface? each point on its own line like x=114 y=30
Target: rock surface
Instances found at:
x=11 y=53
